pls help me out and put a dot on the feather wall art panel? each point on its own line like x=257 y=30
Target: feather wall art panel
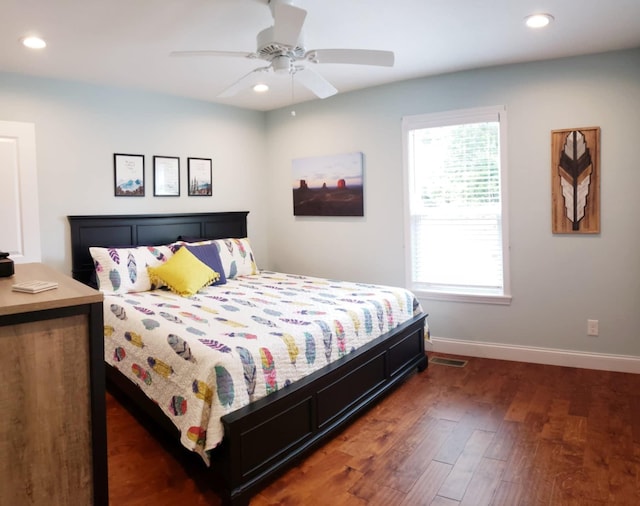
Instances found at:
x=575 y=181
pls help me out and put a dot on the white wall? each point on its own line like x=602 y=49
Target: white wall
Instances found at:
x=558 y=281
x=79 y=127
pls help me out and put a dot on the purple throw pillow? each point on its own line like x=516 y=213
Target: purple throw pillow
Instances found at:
x=208 y=254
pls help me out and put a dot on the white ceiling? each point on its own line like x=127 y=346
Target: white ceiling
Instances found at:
x=127 y=42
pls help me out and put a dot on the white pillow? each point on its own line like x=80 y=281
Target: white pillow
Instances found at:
x=123 y=270
x=236 y=257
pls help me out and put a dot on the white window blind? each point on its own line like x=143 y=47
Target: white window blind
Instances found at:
x=455 y=192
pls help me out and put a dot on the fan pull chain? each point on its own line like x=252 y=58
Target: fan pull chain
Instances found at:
x=293 y=111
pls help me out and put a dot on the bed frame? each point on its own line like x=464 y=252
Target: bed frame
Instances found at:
x=267 y=437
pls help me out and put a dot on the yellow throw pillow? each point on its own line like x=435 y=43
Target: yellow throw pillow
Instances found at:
x=183 y=273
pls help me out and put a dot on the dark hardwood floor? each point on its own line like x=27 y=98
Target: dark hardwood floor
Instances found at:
x=494 y=432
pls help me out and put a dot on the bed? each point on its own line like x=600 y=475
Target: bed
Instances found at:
x=286 y=416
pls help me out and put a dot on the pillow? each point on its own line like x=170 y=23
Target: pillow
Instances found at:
x=183 y=273
x=123 y=270
x=208 y=254
x=237 y=257
x=182 y=241
x=186 y=238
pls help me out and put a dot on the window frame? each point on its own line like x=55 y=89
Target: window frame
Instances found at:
x=448 y=118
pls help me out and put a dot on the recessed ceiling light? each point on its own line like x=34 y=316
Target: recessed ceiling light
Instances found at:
x=538 y=20
x=260 y=88
x=33 y=42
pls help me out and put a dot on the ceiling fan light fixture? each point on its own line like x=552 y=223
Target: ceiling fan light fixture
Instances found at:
x=33 y=42
x=539 y=20
x=282 y=64
x=260 y=88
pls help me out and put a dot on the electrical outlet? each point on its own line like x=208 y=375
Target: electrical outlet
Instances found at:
x=592 y=327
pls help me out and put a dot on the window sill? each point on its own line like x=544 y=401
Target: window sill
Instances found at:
x=475 y=298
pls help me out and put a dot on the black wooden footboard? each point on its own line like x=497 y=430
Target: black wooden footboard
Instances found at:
x=266 y=437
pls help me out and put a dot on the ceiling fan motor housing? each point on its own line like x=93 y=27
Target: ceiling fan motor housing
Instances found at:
x=268 y=48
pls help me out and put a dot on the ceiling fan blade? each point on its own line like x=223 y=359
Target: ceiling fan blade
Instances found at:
x=288 y=21
x=241 y=54
x=313 y=81
x=352 y=56
x=246 y=81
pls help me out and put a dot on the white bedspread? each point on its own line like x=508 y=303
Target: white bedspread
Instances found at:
x=205 y=356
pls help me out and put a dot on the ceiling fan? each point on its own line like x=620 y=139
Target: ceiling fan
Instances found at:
x=282 y=46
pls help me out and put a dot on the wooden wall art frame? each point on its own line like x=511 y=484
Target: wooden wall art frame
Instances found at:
x=575 y=181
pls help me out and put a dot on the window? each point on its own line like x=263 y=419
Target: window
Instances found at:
x=456 y=206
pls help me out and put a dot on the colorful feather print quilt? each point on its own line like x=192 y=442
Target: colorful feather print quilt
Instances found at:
x=207 y=355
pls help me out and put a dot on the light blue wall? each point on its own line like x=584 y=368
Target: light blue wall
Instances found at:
x=558 y=281
x=79 y=127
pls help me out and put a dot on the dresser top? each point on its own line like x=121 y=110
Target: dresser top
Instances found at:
x=69 y=292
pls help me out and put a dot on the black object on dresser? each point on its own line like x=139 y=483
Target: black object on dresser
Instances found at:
x=6 y=265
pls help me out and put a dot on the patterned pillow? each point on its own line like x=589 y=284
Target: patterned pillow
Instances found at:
x=237 y=257
x=123 y=270
x=183 y=273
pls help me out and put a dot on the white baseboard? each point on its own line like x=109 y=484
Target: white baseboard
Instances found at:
x=549 y=356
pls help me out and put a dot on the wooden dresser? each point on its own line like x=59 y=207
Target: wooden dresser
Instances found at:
x=52 y=393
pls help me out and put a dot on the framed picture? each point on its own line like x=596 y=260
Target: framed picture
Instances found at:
x=128 y=174
x=575 y=181
x=328 y=185
x=166 y=176
x=199 y=177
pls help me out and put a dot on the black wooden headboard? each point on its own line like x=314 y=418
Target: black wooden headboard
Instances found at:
x=144 y=230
